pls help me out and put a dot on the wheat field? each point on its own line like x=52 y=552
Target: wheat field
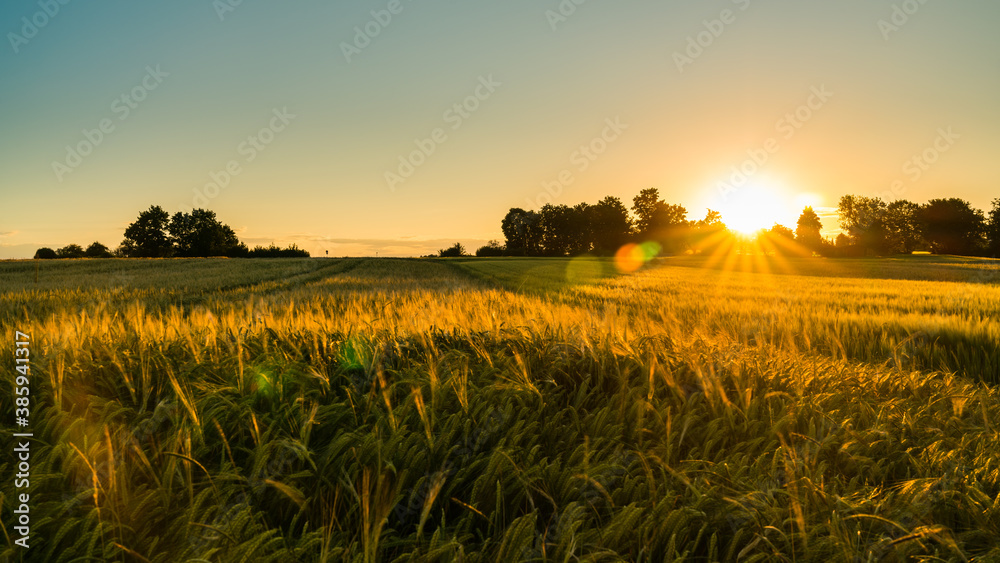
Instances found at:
x=742 y=409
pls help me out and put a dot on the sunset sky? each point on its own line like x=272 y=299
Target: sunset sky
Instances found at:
x=314 y=115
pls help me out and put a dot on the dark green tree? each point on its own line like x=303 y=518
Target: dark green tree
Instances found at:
x=523 y=232
x=71 y=251
x=993 y=230
x=902 y=229
x=200 y=234
x=273 y=251
x=610 y=224
x=557 y=223
x=952 y=226
x=582 y=228
x=492 y=248
x=45 y=253
x=97 y=250
x=864 y=220
x=455 y=251
x=147 y=237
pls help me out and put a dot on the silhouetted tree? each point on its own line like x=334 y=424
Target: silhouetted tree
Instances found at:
x=97 y=250
x=557 y=223
x=200 y=234
x=902 y=228
x=827 y=247
x=659 y=221
x=45 y=253
x=646 y=206
x=492 y=248
x=708 y=235
x=71 y=251
x=807 y=230
x=672 y=228
x=610 y=224
x=454 y=251
x=582 y=228
x=522 y=231
x=147 y=237
x=952 y=226
x=993 y=230
x=864 y=220
x=782 y=231
x=779 y=239
x=843 y=247
x=273 y=251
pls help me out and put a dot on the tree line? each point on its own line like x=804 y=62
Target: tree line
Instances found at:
x=604 y=227
x=157 y=234
x=870 y=227
x=942 y=226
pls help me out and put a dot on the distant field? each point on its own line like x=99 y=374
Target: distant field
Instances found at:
x=915 y=267
x=859 y=309
x=757 y=409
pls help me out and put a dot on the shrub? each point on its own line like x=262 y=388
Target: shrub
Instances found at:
x=97 y=250
x=454 y=252
x=45 y=253
x=273 y=251
x=492 y=248
x=71 y=251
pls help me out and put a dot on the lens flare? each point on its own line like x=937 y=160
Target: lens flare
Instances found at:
x=631 y=257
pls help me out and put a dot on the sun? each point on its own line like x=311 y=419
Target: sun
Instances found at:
x=759 y=205
x=753 y=207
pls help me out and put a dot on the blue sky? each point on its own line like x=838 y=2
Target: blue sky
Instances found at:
x=206 y=89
